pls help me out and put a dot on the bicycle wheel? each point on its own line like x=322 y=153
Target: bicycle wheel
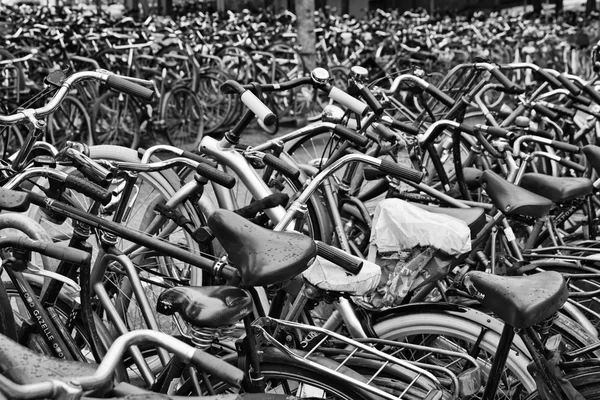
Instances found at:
x=116 y=119
x=217 y=106
x=71 y=122
x=183 y=115
x=586 y=381
x=460 y=334
x=284 y=375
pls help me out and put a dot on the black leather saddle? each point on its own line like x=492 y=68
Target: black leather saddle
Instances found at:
x=472 y=177
x=592 y=153
x=559 y=190
x=206 y=306
x=263 y=257
x=24 y=366
x=473 y=217
x=512 y=199
x=521 y=301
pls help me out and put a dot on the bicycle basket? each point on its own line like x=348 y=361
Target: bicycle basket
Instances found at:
x=384 y=372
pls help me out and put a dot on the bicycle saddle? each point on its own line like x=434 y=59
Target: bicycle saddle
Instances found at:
x=512 y=199
x=472 y=177
x=521 y=301
x=206 y=306
x=559 y=190
x=262 y=257
x=592 y=153
x=23 y=366
x=473 y=217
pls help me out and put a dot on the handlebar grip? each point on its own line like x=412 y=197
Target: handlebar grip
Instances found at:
x=400 y=172
x=372 y=174
x=406 y=128
x=125 y=86
x=507 y=83
x=384 y=132
x=565 y=146
x=340 y=258
x=569 y=112
x=371 y=100
x=438 y=94
x=198 y=158
x=259 y=108
x=467 y=128
x=215 y=175
x=88 y=188
x=348 y=101
x=288 y=170
x=584 y=100
x=545 y=75
x=572 y=165
x=544 y=134
x=590 y=91
x=217 y=367
x=350 y=135
x=545 y=111
x=567 y=84
x=64 y=253
x=498 y=132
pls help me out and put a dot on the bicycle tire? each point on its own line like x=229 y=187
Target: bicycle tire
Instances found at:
x=116 y=119
x=217 y=106
x=70 y=121
x=586 y=381
x=183 y=115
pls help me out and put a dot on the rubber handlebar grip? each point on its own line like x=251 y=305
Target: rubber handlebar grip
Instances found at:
x=259 y=108
x=565 y=146
x=406 y=128
x=400 y=172
x=288 y=170
x=540 y=133
x=384 y=132
x=340 y=258
x=348 y=101
x=545 y=75
x=213 y=174
x=584 y=100
x=545 y=111
x=570 y=112
x=590 y=91
x=507 y=83
x=498 y=132
x=64 y=253
x=438 y=94
x=217 y=367
x=572 y=165
x=570 y=86
x=198 y=158
x=371 y=100
x=131 y=88
x=89 y=189
x=350 y=135
x=470 y=129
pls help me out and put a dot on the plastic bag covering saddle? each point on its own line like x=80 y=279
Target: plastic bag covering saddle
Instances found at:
x=412 y=246
x=328 y=276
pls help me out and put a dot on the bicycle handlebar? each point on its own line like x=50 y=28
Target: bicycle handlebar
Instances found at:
x=54 y=250
x=103 y=374
x=114 y=81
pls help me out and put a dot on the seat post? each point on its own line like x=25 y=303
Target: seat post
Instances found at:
x=508 y=334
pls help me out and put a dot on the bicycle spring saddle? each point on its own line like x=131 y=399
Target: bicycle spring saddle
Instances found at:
x=206 y=306
x=521 y=301
x=24 y=366
x=592 y=153
x=512 y=199
x=263 y=257
x=557 y=189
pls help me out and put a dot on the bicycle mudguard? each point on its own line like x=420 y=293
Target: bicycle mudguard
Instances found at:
x=11 y=200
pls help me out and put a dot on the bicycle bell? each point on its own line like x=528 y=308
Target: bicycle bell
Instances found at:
x=320 y=76
x=332 y=114
x=359 y=74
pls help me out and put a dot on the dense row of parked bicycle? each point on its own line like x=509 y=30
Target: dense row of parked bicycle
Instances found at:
x=422 y=237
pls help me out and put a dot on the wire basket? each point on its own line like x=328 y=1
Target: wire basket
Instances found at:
x=379 y=362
